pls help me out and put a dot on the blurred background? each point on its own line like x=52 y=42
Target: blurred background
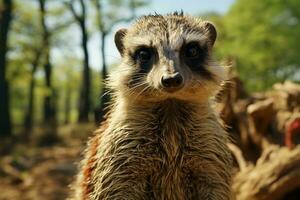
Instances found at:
x=55 y=54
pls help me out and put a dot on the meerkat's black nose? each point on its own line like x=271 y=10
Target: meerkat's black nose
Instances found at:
x=172 y=81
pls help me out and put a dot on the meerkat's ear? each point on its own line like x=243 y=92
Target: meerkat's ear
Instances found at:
x=211 y=31
x=119 y=36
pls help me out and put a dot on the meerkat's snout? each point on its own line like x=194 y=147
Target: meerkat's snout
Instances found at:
x=172 y=82
x=172 y=78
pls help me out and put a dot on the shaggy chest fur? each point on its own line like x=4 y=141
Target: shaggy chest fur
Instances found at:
x=167 y=151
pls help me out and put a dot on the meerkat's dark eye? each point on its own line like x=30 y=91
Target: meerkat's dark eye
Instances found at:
x=144 y=55
x=192 y=51
x=194 y=55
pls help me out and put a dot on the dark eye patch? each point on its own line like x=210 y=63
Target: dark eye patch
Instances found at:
x=144 y=55
x=192 y=51
x=194 y=55
x=144 y=58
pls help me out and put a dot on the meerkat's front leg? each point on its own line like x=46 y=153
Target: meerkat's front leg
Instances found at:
x=112 y=171
x=207 y=189
x=121 y=178
x=210 y=181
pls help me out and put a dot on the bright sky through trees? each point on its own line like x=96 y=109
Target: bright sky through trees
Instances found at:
x=193 y=7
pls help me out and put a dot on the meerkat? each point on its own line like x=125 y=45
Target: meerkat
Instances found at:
x=161 y=139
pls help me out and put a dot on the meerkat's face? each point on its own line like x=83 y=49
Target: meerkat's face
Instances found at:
x=167 y=57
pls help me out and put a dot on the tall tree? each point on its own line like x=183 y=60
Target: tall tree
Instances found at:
x=28 y=44
x=84 y=99
x=107 y=17
x=71 y=75
x=49 y=109
x=29 y=113
x=5 y=21
x=28 y=51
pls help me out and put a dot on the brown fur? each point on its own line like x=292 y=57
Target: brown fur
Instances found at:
x=156 y=144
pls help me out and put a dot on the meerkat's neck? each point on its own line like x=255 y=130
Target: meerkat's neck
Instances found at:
x=170 y=112
x=173 y=124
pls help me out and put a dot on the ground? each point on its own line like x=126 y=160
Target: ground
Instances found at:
x=32 y=172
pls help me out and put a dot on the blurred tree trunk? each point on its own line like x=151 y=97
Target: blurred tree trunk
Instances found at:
x=105 y=29
x=100 y=111
x=104 y=70
x=5 y=21
x=68 y=104
x=84 y=102
x=49 y=100
x=29 y=115
x=105 y=97
x=84 y=99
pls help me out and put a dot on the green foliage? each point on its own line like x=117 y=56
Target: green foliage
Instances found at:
x=25 y=41
x=263 y=38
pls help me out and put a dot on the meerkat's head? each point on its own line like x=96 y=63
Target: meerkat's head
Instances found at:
x=167 y=57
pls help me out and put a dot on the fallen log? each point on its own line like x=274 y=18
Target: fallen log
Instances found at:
x=275 y=176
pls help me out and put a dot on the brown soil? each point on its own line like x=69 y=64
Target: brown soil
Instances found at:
x=30 y=172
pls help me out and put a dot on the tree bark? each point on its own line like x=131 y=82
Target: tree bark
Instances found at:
x=5 y=21
x=104 y=69
x=67 y=104
x=28 y=121
x=105 y=97
x=49 y=108
x=275 y=176
x=84 y=99
x=84 y=102
x=100 y=110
